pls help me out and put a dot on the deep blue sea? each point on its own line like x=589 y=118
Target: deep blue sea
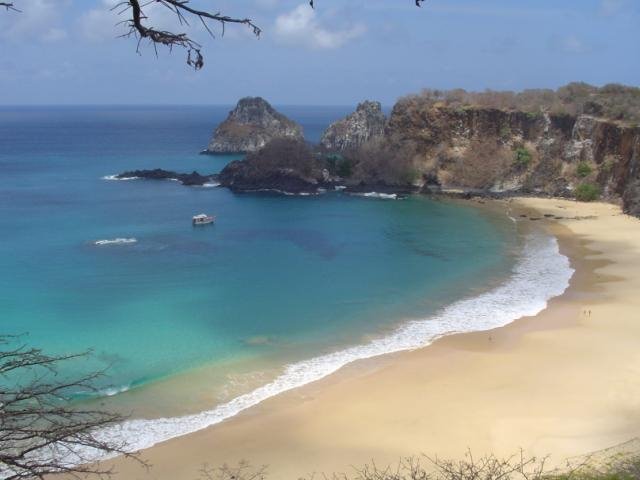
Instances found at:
x=281 y=283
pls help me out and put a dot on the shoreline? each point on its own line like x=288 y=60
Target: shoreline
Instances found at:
x=187 y=454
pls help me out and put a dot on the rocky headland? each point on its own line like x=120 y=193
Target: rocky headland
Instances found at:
x=250 y=126
x=579 y=142
x=484 y=149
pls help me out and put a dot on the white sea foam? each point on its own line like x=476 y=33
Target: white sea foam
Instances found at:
x=210 y=185
x=289 y=194
x=540 y=274
x=110 y=392
x=116 y=241
x=383 y=196
x=116 y=178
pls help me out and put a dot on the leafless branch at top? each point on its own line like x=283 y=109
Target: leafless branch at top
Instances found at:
x=9 y=6
x=139 y=28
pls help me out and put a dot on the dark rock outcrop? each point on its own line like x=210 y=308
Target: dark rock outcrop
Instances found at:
x=351 y=132
x=189 y=179
x=250 y=126
x=283 y=165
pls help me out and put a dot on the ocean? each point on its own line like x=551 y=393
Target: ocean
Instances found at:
x=194 y=325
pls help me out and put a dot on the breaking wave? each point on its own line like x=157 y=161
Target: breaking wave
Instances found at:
x=116 y=241
x=540 y=274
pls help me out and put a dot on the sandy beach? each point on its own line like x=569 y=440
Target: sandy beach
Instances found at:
x=562 y=383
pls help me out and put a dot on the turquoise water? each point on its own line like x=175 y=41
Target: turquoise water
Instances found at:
x=284 y=278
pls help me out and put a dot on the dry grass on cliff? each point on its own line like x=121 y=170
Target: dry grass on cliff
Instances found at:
x=479 y=166
x=613 y=101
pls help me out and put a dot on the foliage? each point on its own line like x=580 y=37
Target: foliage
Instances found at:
x=583 y=169
x=378 y=160
x=284 y=153
x=613 y=101
x=522 y=158
x=587 y=192
x=505 y=132
x=483 y=162
x=339 y=165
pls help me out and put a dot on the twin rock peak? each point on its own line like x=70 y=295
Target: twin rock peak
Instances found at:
x=254 y=122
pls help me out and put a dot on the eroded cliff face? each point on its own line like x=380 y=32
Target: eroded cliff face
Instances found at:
x=512 y=151
x=351 y=132
x=250 y=126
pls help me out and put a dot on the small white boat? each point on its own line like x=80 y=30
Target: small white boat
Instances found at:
x=203 y=219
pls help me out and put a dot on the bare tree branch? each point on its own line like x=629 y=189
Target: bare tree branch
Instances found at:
x=42 y=431
x=9 y=6
x=137 y=26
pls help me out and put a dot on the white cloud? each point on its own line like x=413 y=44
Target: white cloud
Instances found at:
x=38 y=19
x=611 y=7
x=98 y=24
x=573 y=44
x=302 y=27
x=54 y=35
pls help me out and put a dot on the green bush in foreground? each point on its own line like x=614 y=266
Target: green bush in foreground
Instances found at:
x=587 y=192
x=584 y=169
x=522 y=157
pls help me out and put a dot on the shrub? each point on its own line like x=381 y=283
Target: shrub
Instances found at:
x=380 y=160
x=522 y=157
x=584 y=169
x=587 y=192
x=284 y=153
x=607 y=165
x=481 y=165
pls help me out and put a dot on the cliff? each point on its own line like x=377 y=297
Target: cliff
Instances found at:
x=578 y=142
x=351 y=132
x=493 y=150
x=250 y=126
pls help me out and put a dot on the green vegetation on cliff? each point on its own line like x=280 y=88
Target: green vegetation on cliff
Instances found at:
x=522 y=157
x=584 y=169
x=587 y=192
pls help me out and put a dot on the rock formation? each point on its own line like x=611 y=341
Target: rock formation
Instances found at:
x=250 y=126
x=283 y=165
x=351 y=132
x=494 y=143
x=189 y=179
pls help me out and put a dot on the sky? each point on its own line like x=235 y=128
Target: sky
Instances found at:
x=341 y=52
